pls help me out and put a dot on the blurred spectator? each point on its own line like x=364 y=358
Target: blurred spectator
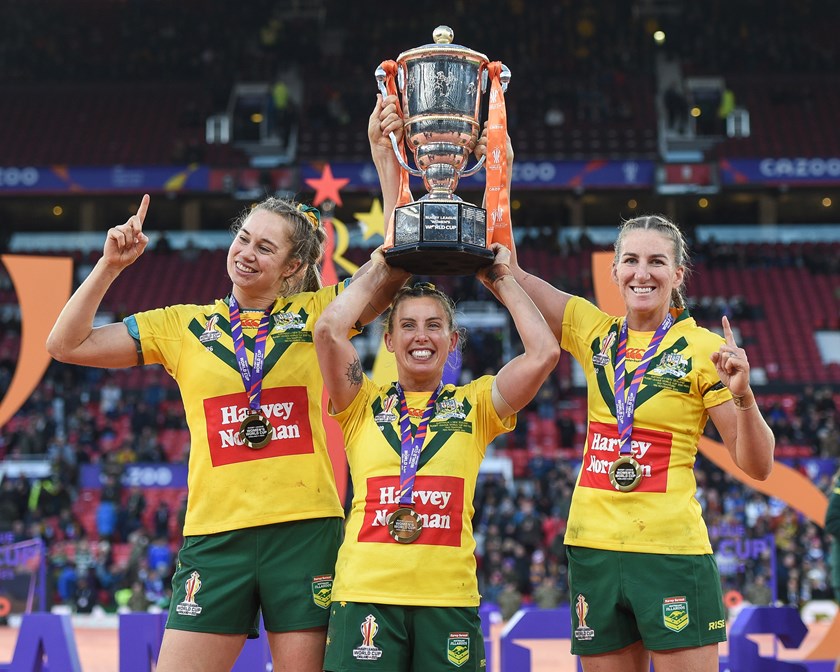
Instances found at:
x=159 y=556
x=138 y=601
x=85 y=597
x=106 y=519
x=758 y=592
x=548 y=595
x=161 y=520
x=509 y=600
x=131 y=515
x=676 y=109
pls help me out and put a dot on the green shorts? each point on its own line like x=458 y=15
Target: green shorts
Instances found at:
x=223 y=581
x=667 y=601
x=389 y=638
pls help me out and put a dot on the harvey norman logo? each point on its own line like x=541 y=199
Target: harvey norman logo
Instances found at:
x=439 y=500
x=651 y=449
x=287 y=411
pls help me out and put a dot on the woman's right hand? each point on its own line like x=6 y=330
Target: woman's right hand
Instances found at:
x=125 y=243
x=384 y=120
x=481 y=146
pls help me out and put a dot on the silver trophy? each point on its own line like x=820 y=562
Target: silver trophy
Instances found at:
x=440 y=87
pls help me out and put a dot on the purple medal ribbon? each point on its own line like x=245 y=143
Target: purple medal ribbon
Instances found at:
x=412 y=445
x=252 y=377
x=625 y=408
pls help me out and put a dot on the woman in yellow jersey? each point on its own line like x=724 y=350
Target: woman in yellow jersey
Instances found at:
x=643 y=581
x=263 y=520
x=406 y=594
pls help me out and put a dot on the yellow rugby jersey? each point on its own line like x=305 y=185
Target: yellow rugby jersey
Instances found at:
x=439 y=568
x=232 y=486
x=661 y=515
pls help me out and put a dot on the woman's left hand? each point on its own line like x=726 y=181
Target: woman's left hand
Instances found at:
x=732 y=364
x=500 y=267
x=377 y=258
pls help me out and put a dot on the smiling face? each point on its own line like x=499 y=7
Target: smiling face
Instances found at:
x=421 y=337
x=259 y=261
x=646 y=273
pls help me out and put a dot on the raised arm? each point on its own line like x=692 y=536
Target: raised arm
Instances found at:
x=73 y=338
x=519 y=380
x=338 y=359
x=550 y=300
x=744 y=431
x=384 y=120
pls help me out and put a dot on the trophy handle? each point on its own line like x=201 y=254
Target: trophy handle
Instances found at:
x=474 y=169
x=380 y=82
x=505 y=80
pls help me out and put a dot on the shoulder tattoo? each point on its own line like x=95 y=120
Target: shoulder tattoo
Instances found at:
x=354 y=371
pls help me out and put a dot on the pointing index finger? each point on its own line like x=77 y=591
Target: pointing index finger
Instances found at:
x=727 y=333
x=144 y=207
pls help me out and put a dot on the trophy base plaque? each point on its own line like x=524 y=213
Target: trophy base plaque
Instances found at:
x=440 y=237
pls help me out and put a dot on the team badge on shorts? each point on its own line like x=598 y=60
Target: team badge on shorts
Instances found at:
x=322 y=590
x=583 y=633
x=189 y=607
x=368 y=650
x=675 y=613
x=458 y=648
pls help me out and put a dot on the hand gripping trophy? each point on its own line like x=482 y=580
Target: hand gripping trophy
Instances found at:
x=440 y=87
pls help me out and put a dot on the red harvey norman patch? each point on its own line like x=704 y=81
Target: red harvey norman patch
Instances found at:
x=438 y=499
x=287 y=409
x=651 y=449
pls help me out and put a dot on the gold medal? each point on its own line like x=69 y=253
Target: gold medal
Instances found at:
x=255 y=430
x=405 y=525
x=625 y=474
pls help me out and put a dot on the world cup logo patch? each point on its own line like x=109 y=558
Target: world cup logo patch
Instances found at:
x=189 y=607
x=583 y=633
x=368 y=650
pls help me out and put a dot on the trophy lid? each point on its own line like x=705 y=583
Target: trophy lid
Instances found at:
x=443 y=36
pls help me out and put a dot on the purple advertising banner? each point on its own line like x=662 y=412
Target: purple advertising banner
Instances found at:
x=597 y=174
x=571 y=175
x=141 y=475
x=112 y=179
x=600 y=174
x=800 y=171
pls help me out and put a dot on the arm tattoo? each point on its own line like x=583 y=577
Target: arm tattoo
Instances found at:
x=497 y=271
x=354 y=372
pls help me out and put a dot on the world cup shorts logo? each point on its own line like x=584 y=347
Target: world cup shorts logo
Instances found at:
x=583 y=633
x=189 y=607
x=368 y=650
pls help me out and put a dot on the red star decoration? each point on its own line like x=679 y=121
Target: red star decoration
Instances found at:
x=327 y=187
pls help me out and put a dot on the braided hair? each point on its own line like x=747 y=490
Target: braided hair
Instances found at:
x=308 y=240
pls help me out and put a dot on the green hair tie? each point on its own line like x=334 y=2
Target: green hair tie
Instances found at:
x=311 y=213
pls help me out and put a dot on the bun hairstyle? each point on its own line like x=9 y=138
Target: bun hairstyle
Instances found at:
x=307 y=238
x=667 y=228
